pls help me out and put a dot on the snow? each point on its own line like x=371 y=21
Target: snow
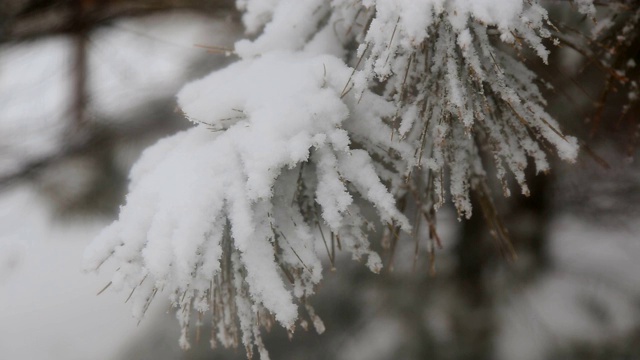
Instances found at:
x=470 y=81
x=499 y=12
x=292 y=23
x=256 y=122
x=288 y=144
x=290 y=138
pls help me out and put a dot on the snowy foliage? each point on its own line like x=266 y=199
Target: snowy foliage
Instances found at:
x=235 y=195
x=293 y=142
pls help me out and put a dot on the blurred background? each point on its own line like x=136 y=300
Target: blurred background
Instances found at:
x=86 y=85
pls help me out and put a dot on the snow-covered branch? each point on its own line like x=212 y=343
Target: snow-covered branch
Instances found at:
x=293 y=141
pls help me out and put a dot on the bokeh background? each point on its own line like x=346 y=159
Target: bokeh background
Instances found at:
x=86 y=85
